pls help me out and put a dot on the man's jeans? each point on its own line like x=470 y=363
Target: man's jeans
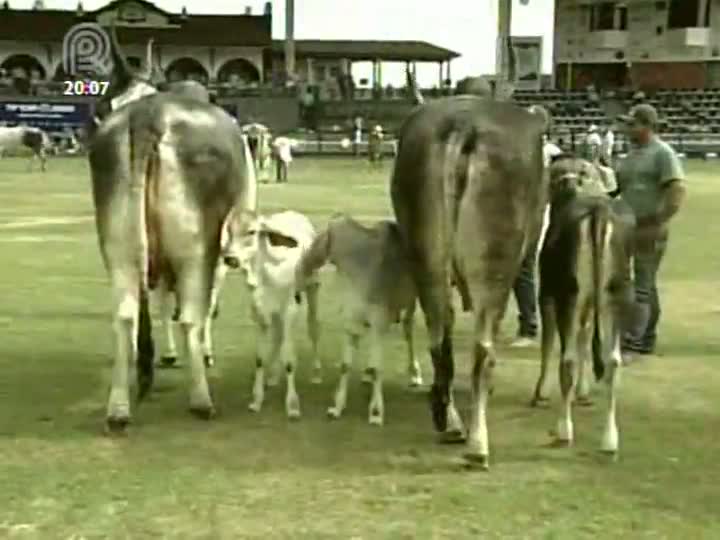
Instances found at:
x=525 y=296
x=643 y=335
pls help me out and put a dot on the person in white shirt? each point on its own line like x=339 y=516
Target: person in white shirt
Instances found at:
x=524 y=286
x=282 y=153
x=608 y=143
x=550 y=150
x=593 y=142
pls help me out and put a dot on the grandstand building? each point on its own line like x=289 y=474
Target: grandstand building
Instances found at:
x=234 y=49
x=641 y=44
x=202 y=47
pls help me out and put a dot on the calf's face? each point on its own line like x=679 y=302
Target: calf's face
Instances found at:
x=570 y=176
x=258 y=247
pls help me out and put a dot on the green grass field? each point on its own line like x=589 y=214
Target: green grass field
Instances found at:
x=260 y=476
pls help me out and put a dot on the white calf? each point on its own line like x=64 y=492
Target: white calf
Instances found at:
x=269 y=258
x=379 y=290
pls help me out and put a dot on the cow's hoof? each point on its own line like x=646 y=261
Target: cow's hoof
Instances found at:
x=254 y=407
x=557 y=442
x=209 y=360
x=539 y=401
x=316 y=379
x=333 y=413
x=203 y=413
x=116 y=425
x=584 y=401
x=415 y=381
x=168 y=361
x=293 y=414
x=609 y=455
x=367 y=376
x=454 y=436
x=476 y=461
x=375 y=420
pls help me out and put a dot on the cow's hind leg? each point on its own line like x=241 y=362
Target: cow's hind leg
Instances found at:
x=376 y=408
x=125 y=324
x=313 y=325
x=582 y=392
x=289 y=359
x=413 y=366
x=613 y=363
x=570 y=320
x=548 y=325
x=167 y=310
x=481 y=384
x=219 y=279
x=263 y=356
x=146 y=348
x=194 y=282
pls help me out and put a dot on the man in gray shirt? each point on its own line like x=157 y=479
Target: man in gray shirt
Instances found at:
x=652 y=181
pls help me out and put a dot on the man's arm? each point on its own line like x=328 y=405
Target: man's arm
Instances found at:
x=672 y=181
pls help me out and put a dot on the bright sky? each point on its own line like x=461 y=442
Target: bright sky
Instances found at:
x=466 y=26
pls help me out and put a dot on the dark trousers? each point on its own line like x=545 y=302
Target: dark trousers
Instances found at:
x=525 y=295
x=281 y=170
x=647 y=263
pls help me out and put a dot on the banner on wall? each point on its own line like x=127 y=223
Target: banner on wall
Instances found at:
x=528 y=58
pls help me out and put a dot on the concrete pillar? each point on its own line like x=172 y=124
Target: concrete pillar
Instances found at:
x=449 y=73
x=290 y=38
x=374 y=74
x=702 y=7
x=440 y=74
x=616 y=18
x=379 y=73
x=310 y=71
x=504 y=25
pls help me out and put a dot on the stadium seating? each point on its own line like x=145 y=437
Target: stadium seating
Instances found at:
x=690 y=119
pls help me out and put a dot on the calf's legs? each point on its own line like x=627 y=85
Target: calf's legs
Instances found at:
x=352 y=340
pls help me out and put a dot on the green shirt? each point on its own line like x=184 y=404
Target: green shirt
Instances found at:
x=644 y=173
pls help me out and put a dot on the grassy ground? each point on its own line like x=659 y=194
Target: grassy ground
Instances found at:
x=245 y=476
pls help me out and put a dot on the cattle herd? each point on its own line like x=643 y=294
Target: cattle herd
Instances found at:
x=174 y=182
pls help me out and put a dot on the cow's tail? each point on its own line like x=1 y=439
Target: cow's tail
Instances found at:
x=144 y=244
x=598 y=231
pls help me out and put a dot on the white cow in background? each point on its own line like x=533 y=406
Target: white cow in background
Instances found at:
x=13 y=138
x=269 y=256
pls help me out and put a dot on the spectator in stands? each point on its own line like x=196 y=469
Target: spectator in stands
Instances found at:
x=651 y=179
x=608 y=144
x=592 y=145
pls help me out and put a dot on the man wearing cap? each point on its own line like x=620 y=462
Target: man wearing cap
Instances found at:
x=652 y=181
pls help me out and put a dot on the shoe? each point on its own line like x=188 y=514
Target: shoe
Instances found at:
x=637 y=349
x=523 y=342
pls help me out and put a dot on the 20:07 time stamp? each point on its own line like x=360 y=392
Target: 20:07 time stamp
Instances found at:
x=85 y=88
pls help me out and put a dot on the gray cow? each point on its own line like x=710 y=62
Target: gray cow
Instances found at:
x=468 y=191
x=378 y=290
x=169 y=174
